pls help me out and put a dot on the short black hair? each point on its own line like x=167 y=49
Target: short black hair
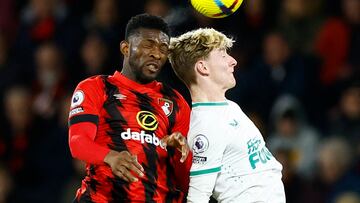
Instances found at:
x=146 y=21
x=289 y=114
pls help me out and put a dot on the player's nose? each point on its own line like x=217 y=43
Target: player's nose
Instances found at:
x=155 y=53
x=232 y=61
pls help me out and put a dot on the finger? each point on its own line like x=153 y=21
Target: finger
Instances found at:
x=181 y=140
x=132 y=159
x=184 y=153
x=131 y=163
x=178 y=135
x=137 y=164
x=134 y=165
x=129 y=176
x=172 y=139
x=120 y=175
x=135 y=169
x=164 y=141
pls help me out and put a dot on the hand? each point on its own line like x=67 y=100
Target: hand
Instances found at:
x=122 y=163
x=179 y=142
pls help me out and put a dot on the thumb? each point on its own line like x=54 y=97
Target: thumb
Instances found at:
x=164 y=141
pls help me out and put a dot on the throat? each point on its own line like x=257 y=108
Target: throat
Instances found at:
x=206 y=94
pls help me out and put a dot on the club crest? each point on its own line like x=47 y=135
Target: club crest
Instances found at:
x=166 y=105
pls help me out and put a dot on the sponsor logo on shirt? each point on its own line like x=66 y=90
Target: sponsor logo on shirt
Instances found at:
x=166 y=105
x=256 y=154
x=142 y=136
x=201 y=144
x=77 y=98
x=76 y=111
x=147 y=120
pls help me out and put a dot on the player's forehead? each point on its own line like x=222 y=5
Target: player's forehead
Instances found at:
x=154 y=35
x=218 y=51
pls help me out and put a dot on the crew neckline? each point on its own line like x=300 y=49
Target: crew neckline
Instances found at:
x=223 y=103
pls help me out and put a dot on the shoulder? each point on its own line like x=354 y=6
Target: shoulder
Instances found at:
x=93 y=83
x=172 y=94
x=206 y=122
x=93 y=80
x=232 y=104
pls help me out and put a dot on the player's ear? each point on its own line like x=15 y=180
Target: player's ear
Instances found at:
x=201 y=67
x=124 y=47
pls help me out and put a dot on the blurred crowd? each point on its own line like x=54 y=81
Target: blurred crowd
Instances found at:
x=297 y=79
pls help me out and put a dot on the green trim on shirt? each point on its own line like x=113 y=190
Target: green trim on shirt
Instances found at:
x=206 y=171
x=210 y=104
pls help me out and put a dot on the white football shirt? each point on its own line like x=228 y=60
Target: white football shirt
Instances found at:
x=230 y=159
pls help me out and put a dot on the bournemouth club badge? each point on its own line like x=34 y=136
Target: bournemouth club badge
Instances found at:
x=166 y=105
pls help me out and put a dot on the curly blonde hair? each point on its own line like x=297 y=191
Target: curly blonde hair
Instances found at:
x=188 y=48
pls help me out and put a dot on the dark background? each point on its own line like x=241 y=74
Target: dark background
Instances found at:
x=297 y=79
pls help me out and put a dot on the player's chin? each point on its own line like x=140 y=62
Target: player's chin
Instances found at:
x=150 y=76
x=232 y=83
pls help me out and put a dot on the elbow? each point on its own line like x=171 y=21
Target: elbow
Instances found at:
x=74 y=146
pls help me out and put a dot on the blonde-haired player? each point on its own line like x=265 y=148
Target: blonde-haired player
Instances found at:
x=230 y=159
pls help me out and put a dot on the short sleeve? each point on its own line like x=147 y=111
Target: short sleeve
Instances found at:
x=86 y=102
x=208 y=146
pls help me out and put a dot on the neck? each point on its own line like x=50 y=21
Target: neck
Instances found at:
x=204 y=93
x=127 y=72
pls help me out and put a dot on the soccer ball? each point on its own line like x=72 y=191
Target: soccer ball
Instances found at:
x=216 y=8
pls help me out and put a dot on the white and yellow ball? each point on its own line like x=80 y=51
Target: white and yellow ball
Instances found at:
x=216 y=8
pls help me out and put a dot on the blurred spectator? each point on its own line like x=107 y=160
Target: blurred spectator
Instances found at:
x=299 y=21
x=104 y=21
x=157 y=7
x=7 y=71
x=254 y=24
x=338 y=45
x=351 y=15
x=348 y=197
x=332 y=46
x=346 y=120
x=94 y=56
x=47 y=162
x=42 y=21
x=5 y=183
x=336 y=154
x=8 y=19
x=280 y=72
x=15 y=136
x=292 y=132
x=286 y=73
x=295 y=185
x=74 y=182
x=175 y=16
x=50 y=77
x=16 y=130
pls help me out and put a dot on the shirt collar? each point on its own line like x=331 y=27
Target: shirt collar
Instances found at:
x=118 y=77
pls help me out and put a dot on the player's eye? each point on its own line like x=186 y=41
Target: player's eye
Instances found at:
x=164 y=49
x=147 y=45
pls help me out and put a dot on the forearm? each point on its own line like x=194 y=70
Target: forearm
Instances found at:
x=83 y=146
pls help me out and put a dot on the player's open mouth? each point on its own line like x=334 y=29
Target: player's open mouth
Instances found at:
x=153 y=67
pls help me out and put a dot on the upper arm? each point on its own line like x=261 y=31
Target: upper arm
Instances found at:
x=208 y=145
x=86 y=103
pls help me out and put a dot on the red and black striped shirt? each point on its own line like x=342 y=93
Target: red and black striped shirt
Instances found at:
x=133 y=117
